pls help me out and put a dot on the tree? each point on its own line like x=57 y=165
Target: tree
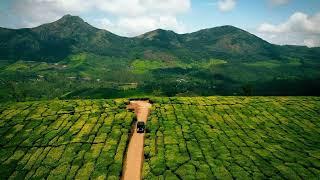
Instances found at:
x=247 y=89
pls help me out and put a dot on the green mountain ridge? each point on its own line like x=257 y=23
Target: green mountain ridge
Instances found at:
x=57 y=40
x=53 y=42
x=70 y=59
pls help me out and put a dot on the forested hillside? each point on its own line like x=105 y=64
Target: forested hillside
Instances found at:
x=55 y=41
x=71 y=59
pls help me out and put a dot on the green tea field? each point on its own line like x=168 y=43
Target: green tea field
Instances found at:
x=185 y=138
x=64 y=139
x=233 y=138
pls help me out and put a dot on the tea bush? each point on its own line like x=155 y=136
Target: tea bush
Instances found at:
x=63 y=139
x=233 y=138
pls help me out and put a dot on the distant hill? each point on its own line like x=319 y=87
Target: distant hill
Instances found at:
x=53 y=42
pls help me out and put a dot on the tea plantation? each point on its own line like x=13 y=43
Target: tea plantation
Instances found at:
x=186 y=138
x=63 y=139
x=233 y=138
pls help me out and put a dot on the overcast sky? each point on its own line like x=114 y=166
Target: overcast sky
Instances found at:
x=294 y=22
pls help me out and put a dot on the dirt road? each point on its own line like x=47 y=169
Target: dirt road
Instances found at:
x=134 y=159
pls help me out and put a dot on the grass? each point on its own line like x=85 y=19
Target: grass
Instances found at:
x=19 y=66
x=211 y=63
x=266 y=64
x=142 y=66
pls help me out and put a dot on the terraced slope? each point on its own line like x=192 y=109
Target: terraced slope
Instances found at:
x=233 y=137
x=63 y=139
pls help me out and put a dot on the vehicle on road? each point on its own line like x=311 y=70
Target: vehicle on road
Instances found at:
x=140 y=127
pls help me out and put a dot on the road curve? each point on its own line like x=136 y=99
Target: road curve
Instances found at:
x=134 y=158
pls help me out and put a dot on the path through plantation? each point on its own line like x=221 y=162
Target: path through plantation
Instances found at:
x=134 y=158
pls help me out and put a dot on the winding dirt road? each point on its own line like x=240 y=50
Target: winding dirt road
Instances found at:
x=134 y=158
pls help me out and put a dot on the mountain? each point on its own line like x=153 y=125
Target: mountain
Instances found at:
x=230 y=42
x=71 y=35
x=220 y=42
x=69 y=58
x=55 y=41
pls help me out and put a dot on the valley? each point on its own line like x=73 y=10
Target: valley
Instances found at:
x=92 y=76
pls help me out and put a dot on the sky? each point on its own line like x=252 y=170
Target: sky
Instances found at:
x=295 y=22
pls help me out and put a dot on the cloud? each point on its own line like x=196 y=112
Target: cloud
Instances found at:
x=142 y=7
x=279 y=2
x=312 y=42
x=298 y=22
x=103 y=23
x=133 y=26
x=226 y=5
x=35 y=12
x=128 y=17
x=300 y=29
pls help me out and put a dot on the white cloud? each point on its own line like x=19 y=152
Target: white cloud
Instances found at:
x=133 y=26
x=226 y=5
x=300 y=29
x=35 y=12
x=279 y=2
x=298 y=22
x=141 y=7
x=229 y=5
x=312 y=42
x=136 y=26
x=129 y=17
x=103 y=23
